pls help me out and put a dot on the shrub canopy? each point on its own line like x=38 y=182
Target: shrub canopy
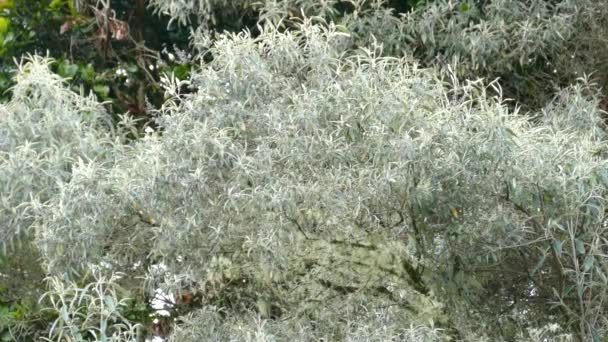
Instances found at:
x=299 y=187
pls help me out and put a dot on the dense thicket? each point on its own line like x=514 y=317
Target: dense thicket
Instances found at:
x=342 y=175
x=533 y=46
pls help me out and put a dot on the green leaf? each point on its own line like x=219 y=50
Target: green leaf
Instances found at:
x=56 y=4
x=110 y=303
x=4 y=25
x=540 y=263
x=588 y=263
x=263 y=307
x=9 y=38
x=579 y=291
x=101 y=90
x=88 y=73
x=595 y=335
x=64 y=314
x=601 y=274
x=132 y=68
x=557 y=247
x=181 y=71
x=67 y=70
x=6 y=336
x=580 y=246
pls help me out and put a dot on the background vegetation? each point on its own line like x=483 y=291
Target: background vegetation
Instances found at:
x=302 y=170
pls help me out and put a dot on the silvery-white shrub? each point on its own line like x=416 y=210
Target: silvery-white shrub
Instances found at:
x=89 y=312
x=302 y=192
x=532 y=46
x=43 y=130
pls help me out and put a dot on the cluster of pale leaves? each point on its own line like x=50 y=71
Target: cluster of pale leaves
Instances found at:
x=314 y=193
x=534 y=46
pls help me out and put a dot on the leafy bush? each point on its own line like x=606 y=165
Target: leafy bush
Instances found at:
x=533 y=46
x=89 y=312
x=43 y=130
x=298 y=190
x=102 y=46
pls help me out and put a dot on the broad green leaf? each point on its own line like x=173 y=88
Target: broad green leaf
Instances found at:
x=88 y=73
x=102 y=90
x=181 y=71
x=4 y=24
x=67 y=70
x=55 y=4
